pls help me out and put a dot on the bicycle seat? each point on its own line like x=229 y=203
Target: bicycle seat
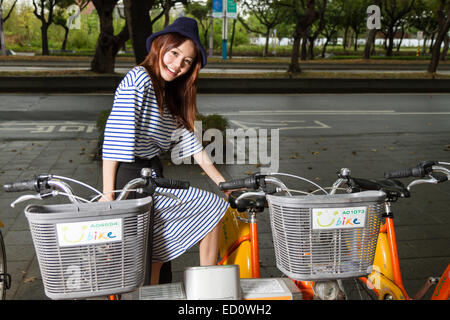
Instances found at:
x=254 y=202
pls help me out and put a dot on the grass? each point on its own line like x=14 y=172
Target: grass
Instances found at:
x=265 y=75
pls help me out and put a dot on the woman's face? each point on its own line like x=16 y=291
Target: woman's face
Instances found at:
x=177 y=61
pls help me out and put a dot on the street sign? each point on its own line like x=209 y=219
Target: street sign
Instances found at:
x=217 y=9
x=230 y=8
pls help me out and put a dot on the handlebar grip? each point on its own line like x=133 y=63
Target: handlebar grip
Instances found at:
x=171 y=184
x=26 y=185
x=420 y=171
x=249 y=182
x=402 y=173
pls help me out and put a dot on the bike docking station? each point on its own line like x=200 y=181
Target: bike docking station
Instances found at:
x=218 y=283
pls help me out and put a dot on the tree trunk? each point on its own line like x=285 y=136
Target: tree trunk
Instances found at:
x=390 y=45
x=66 y=35
x=324 y=48
x=436 y=52
x=311 y=47
x=303 y=54
x=294 y=67
x=44 y=37
x=445 y=49
x=139 y=26
x=369 y=43
x=266 y=46
x=344 y=41
x=106 y=49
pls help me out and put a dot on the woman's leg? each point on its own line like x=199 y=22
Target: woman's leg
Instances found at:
x=209 y=246
x=156 y=268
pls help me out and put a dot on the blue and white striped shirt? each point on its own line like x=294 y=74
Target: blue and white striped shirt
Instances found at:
x=135 y=127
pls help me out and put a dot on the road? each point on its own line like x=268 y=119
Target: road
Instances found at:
x=66 y=115
x=317 y=135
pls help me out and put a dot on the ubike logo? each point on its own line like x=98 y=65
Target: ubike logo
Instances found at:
x=89 y=232
x=338 y=218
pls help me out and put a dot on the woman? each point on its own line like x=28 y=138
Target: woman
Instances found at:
x=155 y=103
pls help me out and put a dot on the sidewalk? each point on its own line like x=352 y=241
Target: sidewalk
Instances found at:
x=422 y=222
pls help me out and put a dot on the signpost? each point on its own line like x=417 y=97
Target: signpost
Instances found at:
x=224 y=9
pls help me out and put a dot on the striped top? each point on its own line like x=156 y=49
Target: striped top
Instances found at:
x=135 y=127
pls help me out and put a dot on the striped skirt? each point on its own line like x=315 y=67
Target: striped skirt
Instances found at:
x=177 y=225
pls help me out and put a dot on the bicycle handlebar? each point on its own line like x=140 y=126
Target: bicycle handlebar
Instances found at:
x=27 y=185
x=421 y=170
x=171 y=183
x=253 y=182
x=44 y=182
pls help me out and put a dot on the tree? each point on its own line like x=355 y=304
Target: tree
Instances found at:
x=2 y=21
x=302 y=14
x=371 y=34
x=443 y=15
x=61 y=18
x=333 y=16
x=424 y=18
x=393 y=12
x=200 y=12
x=268 y=14
x=108 y=44
x=315 y=30
x=43 y=10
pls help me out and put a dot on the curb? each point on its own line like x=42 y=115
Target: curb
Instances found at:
x=108 y=84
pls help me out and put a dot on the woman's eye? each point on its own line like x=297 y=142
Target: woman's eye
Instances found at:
x=188 y=62
x=174 y=53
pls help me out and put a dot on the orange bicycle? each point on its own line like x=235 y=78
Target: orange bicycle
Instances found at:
x=341 y=259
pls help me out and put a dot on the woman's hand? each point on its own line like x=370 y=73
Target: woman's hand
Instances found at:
x=107 y=197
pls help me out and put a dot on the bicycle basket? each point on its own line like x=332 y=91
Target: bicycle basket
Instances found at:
x=319 y=237
x=90 y=249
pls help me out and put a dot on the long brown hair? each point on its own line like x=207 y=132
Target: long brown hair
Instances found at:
x=179 y=95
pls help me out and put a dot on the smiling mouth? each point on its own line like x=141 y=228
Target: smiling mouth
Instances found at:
x=171 y=71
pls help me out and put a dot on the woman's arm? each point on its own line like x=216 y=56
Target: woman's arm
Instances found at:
x=204 y=161
x=109 y=178
x=207 y=165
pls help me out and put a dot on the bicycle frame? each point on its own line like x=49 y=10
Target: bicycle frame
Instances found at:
x=238 y=244
x=386 y=276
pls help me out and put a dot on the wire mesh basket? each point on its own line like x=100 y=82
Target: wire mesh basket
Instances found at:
x=90 y=249
x=319 y=237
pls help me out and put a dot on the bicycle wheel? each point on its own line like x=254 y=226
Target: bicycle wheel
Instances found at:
x=3 y=271
x=355 y=289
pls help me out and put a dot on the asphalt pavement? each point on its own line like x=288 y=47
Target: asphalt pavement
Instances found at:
x=422 y=221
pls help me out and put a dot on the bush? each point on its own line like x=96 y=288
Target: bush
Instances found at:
x=213 y=121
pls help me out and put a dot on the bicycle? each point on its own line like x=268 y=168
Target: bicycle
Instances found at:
x=382 y=279
x=86 y=248
x=386 y=275
x=5 y=277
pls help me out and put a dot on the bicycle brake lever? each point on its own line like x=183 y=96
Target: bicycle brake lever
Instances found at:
x=25 y=198
x=432 y=180
x=169 y=195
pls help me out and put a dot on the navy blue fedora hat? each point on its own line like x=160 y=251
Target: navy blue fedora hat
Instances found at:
x=185 y=26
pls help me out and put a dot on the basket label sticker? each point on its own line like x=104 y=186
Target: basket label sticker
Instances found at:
x=338 y=218
x=89 y=232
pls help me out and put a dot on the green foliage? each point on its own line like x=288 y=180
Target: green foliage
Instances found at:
x=213 y=121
